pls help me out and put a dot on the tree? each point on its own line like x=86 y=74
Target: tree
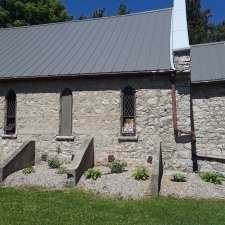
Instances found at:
x=217 y=32
x=30 y=12
x=198 y=22
x=200 y=30
x=82 y=17
x=98 y=13
x=123 y=10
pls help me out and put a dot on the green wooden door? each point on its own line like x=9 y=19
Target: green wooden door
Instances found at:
x=66 y=113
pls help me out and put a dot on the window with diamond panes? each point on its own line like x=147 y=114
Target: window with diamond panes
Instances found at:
x=128 y=112
x=10 y=121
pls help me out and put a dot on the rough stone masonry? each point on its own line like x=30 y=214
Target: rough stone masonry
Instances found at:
x=97 y=112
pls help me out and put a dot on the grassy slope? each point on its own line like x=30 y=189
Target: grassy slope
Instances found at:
x=72 y=207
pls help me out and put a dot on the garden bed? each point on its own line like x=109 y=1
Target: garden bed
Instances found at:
x=194 y=187
x=121 y=185
x=42 y=177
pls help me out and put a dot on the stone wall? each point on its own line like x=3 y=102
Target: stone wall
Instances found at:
x=182 y=61
x=96 y=111
x=209 y=124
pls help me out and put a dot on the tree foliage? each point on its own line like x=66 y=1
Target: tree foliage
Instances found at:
x=200 y=29
x=98 y=13
x=30 y=12
x=123 y=10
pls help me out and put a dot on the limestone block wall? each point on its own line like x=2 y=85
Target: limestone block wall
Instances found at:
x=96 y=112
x=182 y=61
x=209 y=123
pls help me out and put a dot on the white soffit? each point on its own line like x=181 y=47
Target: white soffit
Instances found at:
x=180 y=39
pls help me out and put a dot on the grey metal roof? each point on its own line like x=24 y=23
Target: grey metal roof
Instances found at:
x=131 y=43
x=208 y=62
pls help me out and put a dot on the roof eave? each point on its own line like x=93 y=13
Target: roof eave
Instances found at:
x=88 y=75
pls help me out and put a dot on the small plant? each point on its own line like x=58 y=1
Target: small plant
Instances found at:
x=61 y=170
x=54 y=163
x=140 y=173
x=179 y=177
x=28 y=170
x=117 y=166
x=93 y=174
x=214 y=178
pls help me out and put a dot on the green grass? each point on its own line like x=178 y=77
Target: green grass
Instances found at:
x=29 y=207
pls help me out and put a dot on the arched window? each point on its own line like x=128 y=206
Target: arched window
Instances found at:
x=66 y=104
x=128 y=127
x=10 y=118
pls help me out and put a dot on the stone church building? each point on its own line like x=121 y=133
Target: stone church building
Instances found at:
x=129 y=81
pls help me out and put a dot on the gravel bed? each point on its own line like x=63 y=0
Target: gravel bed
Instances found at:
x=42 y=177
x=193 y=188
x=116 y=185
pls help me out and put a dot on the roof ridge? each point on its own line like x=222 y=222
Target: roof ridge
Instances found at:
x=208 y=44
x=89 y=19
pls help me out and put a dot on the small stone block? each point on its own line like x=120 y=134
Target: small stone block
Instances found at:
x=111 y=158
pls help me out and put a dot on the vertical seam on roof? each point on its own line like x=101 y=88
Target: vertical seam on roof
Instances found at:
x=149 y=51
x=52 y=61
x=129 y=43
x=15 y=45
x=86 y=48
x=23 y=53
x=120 y=51
x=132 y=44
x=72 y=48
x=96 y=44
x=105 y=44
x=80 y=44
x=141 y=46
x=51 y=52
x=49 y=37
x=112 y=47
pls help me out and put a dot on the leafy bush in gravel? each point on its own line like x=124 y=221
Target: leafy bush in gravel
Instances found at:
x=93 y=174
x=140 y=173
x=28 y=170
x=214 y=178
x=179 y=177
x=61 y=170
x=54 y=163
x=117 y=166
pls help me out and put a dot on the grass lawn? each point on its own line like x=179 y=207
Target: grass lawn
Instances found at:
x=27 y=207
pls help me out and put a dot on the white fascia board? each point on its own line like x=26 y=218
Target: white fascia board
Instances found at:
x=180 y=39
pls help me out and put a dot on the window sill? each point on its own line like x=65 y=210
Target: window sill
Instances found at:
x=128 y=138
x=9 y=136
x=65 y=138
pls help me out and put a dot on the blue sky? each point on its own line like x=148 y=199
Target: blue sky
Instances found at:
x=86 y=7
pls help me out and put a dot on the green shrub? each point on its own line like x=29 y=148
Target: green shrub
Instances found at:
x=54 y=163
x=179 y=177
x=61 y=170
x=214 y=178
x=117 y=166
x=93 y=174
x=140 y=173
x=28 y=170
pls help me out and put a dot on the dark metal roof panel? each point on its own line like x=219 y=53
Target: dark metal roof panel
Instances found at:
x=208 y=62
x=135 y=42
